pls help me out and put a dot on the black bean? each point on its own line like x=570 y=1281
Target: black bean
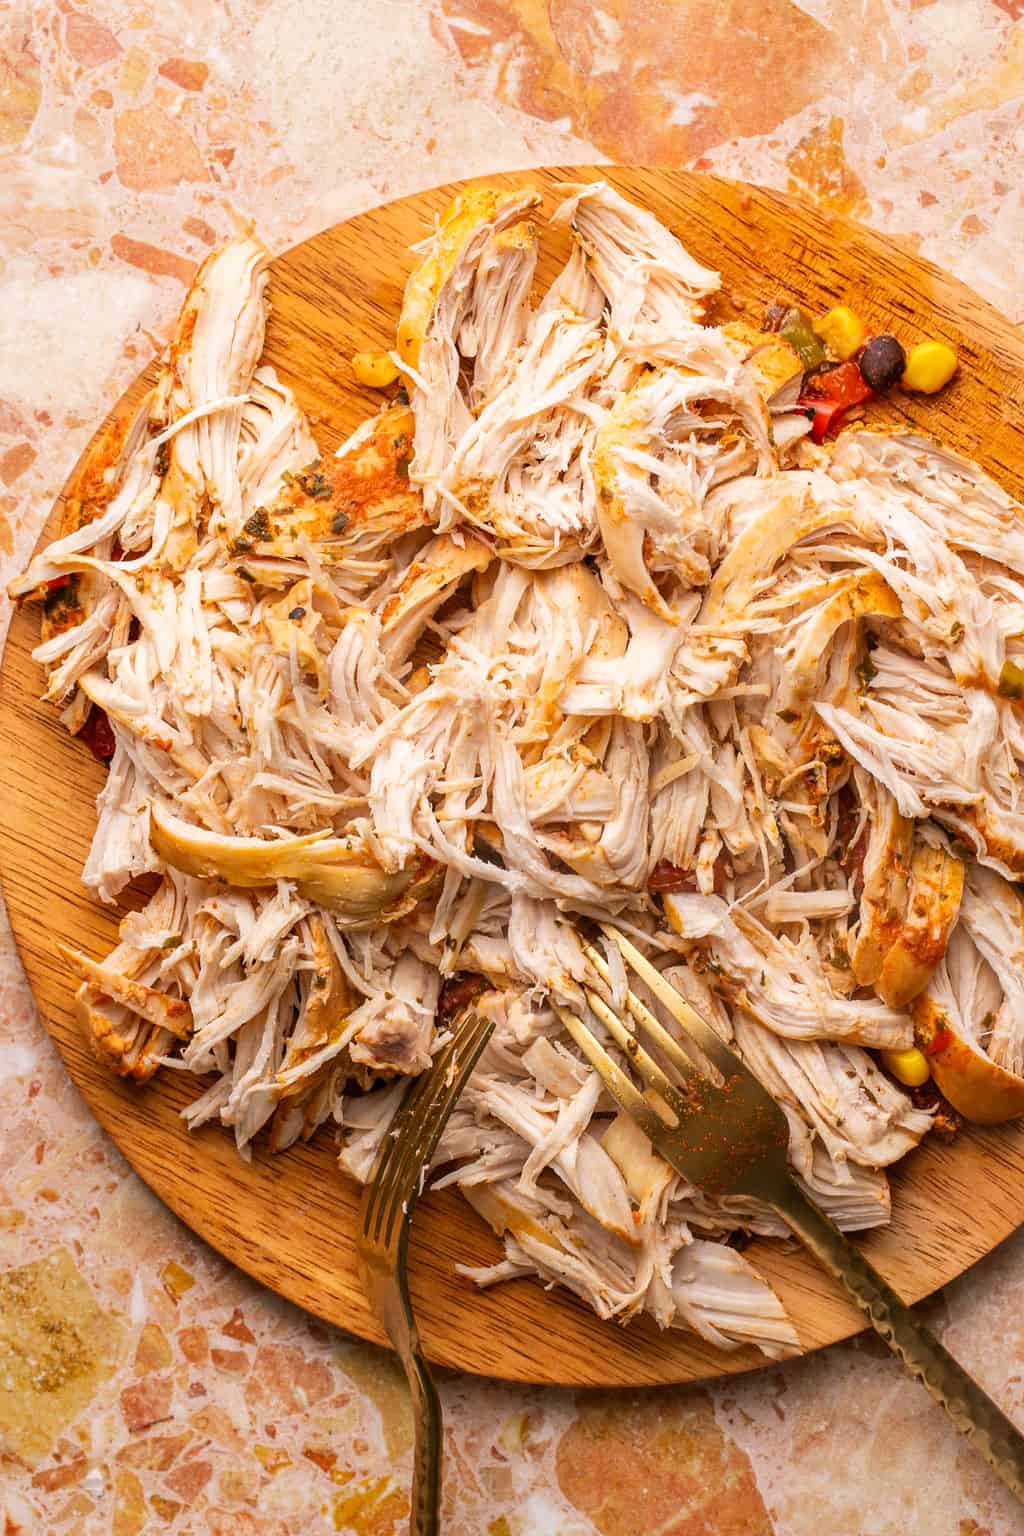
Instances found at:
x=882 y=362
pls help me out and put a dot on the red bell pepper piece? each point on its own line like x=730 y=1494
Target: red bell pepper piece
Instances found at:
x=943 y=1037
x=828 y=396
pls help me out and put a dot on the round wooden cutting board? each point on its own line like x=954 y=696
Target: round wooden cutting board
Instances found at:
x=290 y=1220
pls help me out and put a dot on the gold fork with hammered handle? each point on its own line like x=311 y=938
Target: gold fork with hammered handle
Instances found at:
x=388 y=1202
x=731 y=1138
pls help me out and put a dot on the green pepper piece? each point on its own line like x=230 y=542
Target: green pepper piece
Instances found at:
x=797 y=329
x=1011 y=681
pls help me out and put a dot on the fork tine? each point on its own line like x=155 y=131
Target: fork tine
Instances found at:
x=618 y=1082
x=684 y=1064
x=715 y=1049
x=640 y=1060
x=429 y=1113
x=397 y=1177
x=395 y=1152
x=391 y=1157
x=423 y=1110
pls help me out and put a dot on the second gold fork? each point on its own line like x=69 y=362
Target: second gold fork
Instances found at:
x=389 y=1199
x=730 y=1137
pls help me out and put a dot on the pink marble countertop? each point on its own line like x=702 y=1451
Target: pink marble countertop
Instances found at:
x=145 y=1385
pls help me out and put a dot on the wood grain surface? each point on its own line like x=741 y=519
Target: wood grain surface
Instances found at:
x=289 y=1220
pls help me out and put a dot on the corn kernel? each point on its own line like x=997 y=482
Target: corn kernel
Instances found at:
x=374 y=369
x=930 y=365
x=842 y=331
x=909 y=1067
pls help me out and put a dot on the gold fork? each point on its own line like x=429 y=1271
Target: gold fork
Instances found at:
x=388 y=1202
x=731 y=1138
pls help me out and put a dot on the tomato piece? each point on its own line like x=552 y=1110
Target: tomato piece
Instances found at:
x=844 y=384
x=828 y=395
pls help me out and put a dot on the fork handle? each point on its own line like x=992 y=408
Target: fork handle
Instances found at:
x=971 y=1409
x=424 y=1519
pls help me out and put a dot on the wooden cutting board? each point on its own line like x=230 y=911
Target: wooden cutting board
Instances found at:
x=289 y=1220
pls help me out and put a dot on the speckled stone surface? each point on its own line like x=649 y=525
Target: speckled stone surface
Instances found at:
x=145 y=1386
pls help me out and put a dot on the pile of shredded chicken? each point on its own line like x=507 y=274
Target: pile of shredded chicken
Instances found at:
x=578 y=626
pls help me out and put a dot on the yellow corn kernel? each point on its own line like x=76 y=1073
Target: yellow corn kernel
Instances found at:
x=374 y=369
x=909 y=1066
x=842 y=331
x=930 y=365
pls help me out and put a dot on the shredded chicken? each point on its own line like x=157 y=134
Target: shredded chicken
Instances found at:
x=580 y=621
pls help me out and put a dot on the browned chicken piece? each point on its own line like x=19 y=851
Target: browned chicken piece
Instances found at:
x=909 y=896
x=933 y=906
x=361 y=500
x=426 y=583
x=338 y=873
x=329 y=1001
x=129 y=1025
x=68 y=599
x=394 y=1040
x=306 y=622
x=886 y=871
x=1001 y=835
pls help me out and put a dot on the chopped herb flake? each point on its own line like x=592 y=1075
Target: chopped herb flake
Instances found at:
x=1011 y=681
x=259 y=524
x=314 y=483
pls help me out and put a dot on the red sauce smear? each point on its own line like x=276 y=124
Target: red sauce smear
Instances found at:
x=97 y=734
x=665 y=877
